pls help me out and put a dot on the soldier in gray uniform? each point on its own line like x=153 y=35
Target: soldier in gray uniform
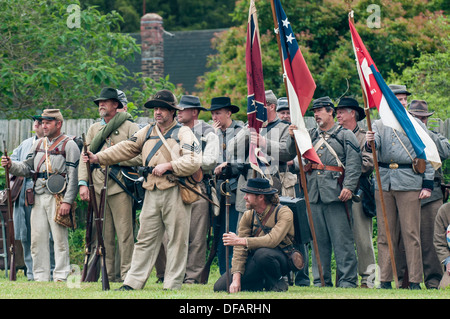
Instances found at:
x=272 y=141
x=403 y=190
x=330 y=192
x=432 y=269
x=349 y=113
x=201 y=210
x=62 y=155
x=227 y=169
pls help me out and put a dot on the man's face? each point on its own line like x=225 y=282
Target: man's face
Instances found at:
x=403 y=98
x=107 y=108
x=322 y=117
x=163 y=116
x=186 y=115
x=345 y=116
x=285 y=115
x=37 y=127
x=250 y=200
x=221 y=116
x=51 y=128
x=423 y=119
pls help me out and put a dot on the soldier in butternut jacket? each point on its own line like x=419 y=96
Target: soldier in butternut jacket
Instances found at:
x=163 y=209
x=258 y=262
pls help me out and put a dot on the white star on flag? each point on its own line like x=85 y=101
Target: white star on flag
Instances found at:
x=289 y=38
x=286 y=23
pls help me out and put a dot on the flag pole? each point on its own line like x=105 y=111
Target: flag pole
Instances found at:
x=377 y=173
x=302 y=171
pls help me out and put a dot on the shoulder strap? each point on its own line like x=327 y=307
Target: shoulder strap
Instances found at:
x=261 y=224
x=49 y=150
x=159 y=143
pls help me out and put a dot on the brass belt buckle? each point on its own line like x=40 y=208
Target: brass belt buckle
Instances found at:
x=393 y=166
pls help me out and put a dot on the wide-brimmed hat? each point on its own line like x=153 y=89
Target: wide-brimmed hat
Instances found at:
x=399 y=89
x=190 y=102
x=282 y=104
x=351 y=103
x=109 y=94
x=419 y=108
x=52 y=115
x=259 y=186
x=223 y=102
x=322 y=102
x=122 y=97
x=165 y=99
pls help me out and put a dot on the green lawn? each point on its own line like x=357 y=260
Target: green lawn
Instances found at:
x=73 y=289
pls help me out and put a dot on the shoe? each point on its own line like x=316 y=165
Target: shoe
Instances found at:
x=363 y=286
x=386 y=285
x=280 y=286
x=159 y=280
x=414 y=286
x=125 y=287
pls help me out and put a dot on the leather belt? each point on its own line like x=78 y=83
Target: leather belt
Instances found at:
x=394 y=165
x=45 y=175
x=326 y=167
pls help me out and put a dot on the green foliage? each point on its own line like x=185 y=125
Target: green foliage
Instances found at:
x=47 y=62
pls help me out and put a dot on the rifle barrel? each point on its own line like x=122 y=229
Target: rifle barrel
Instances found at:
x=11 y=235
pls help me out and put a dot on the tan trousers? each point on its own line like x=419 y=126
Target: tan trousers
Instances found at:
x=162 y=211
x=42 y=224
x=403 y=216
x=197 y=239
x=118 y=222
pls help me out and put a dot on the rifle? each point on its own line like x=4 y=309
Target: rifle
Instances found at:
x=11 y=236
x=91 y=209
x=215 y=242
x=100 y=251
x=227 y=229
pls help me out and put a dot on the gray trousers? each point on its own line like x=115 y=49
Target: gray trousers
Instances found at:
x=363 y=233
x=333 y=231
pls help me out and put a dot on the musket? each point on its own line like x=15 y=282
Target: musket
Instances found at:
x=11 y=236
x=100 y=253
x=92 y=207
x=227 y=195
x=214 y=233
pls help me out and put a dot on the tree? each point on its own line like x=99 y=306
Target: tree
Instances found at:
x=408 y=29
x=53 y=54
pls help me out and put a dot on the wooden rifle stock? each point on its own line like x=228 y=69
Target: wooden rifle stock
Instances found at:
x=100 y=251
x=92 y=208
x=11 y=236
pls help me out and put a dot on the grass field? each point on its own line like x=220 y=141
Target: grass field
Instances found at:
x=73 y=289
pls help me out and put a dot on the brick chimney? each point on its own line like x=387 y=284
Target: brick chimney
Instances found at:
x=152 y=61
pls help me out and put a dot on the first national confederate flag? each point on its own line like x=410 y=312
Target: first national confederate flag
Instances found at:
x=256 y=98
x=300 y=83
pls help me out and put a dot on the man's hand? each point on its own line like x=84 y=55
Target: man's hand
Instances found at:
x=424 y=193
x=65 y=209
x=370 y=136
x=258 y=140
x=345 y=195
x=84 y=193
x=292 y=128
x=231 y=239
x=91 y=157
x=219 y=168
x=235 y=285
x=6 y=161
x=160 y=169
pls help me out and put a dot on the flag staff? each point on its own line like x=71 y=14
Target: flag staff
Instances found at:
x=377 y=173
x=302 y=171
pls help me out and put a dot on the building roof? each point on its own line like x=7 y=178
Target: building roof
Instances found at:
x=185 y=56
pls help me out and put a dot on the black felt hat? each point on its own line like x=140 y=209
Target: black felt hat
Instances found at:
x=223 y=102
x=259 y=186
x=109 y=94
x=351 y=103
x=165 y=99
x=190 y=102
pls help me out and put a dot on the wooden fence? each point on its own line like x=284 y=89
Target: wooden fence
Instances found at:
x=15 y=131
